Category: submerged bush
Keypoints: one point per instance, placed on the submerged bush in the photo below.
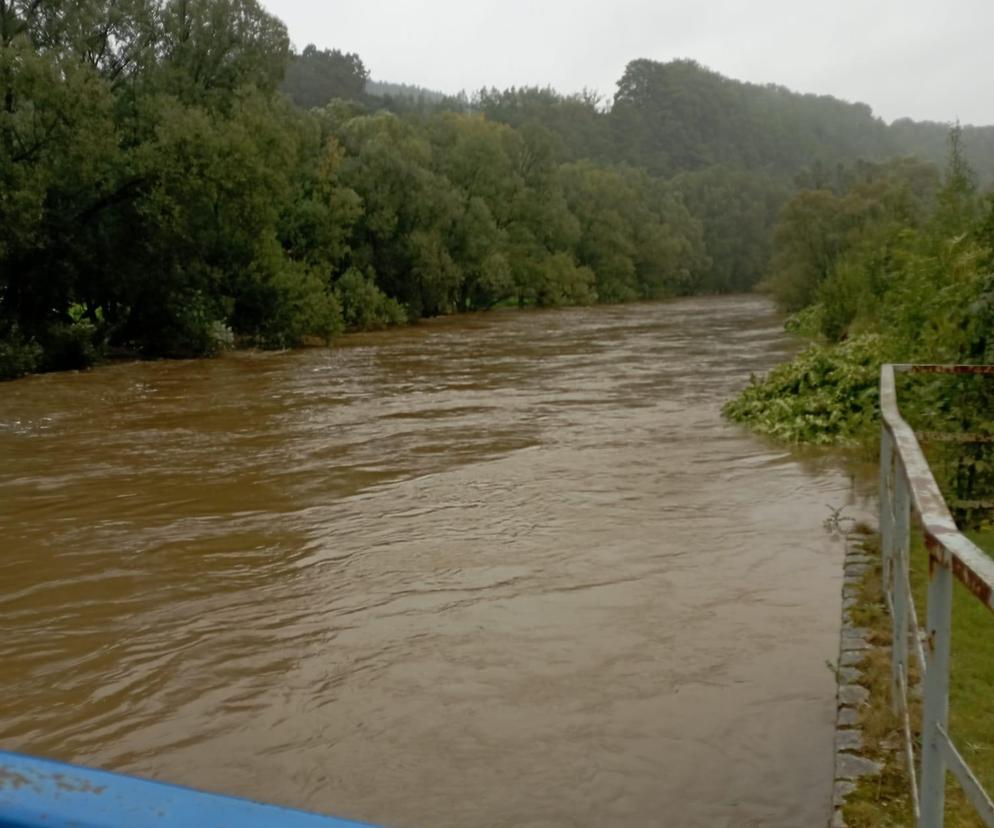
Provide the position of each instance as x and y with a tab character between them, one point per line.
72	346
179	326
301	307
18	356
828	394
280	304
364	306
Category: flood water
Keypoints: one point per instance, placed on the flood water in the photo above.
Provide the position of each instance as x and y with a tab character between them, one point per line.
500	570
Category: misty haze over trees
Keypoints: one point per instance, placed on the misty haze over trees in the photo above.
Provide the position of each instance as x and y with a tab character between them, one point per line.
175	178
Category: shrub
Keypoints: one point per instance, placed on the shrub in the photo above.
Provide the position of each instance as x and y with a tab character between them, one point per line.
301	306
364	306
184	326
18	356
828	394
71	346
806	322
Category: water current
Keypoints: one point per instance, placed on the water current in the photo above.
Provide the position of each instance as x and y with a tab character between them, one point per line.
510	569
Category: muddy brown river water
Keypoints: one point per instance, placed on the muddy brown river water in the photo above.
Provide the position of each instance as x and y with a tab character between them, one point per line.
500	570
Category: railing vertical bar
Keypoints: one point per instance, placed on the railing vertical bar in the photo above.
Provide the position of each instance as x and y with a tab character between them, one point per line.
909	750
973	789
936	701
899	572
886	503
914	630
907	483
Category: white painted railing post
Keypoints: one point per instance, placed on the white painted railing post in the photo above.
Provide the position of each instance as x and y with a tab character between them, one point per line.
886	507
905	480
900	543
936	702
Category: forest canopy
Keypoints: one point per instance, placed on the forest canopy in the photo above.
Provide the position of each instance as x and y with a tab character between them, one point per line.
175	178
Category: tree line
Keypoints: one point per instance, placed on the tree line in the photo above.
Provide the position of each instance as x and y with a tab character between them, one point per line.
174	179
161	195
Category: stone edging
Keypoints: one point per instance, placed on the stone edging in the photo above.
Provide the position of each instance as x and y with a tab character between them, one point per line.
850	766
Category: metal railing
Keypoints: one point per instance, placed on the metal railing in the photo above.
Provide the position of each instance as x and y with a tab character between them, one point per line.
907	487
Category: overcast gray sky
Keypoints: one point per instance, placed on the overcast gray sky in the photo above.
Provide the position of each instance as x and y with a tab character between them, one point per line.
928	60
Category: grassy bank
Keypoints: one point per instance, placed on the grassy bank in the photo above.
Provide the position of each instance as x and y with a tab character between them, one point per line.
971	700
886	800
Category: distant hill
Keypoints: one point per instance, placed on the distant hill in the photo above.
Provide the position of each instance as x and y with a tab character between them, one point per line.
669	118
316	76
929	140
383	89
679	117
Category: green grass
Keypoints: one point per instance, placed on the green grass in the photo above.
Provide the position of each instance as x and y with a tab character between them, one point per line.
971	681
885	800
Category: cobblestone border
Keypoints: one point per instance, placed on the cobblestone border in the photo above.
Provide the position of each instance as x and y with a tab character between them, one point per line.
850	766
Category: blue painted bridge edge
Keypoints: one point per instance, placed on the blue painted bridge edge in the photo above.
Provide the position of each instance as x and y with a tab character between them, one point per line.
41	792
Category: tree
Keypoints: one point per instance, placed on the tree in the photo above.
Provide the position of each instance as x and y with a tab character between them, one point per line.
211	48
317	76
737	211
636	236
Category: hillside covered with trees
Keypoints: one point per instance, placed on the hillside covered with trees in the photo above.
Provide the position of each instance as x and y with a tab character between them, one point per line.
174	178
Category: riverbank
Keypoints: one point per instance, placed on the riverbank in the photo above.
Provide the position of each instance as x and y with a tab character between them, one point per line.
84	355
873	789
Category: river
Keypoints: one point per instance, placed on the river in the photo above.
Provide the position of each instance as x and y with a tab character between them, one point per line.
509	569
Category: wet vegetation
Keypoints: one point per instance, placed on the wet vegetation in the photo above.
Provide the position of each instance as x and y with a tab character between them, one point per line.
176	179
893	264
890	264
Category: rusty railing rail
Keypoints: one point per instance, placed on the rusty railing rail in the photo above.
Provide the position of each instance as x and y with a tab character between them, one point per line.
907	486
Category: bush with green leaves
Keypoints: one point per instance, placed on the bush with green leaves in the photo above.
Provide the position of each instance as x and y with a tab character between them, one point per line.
828	394
285	307
71	346
806	322
364	306
18	356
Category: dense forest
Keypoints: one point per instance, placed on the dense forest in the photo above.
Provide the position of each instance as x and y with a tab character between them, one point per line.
175	179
